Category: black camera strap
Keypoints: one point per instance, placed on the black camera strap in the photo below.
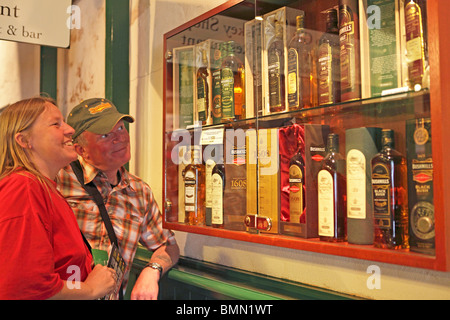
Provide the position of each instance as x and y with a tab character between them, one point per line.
92	190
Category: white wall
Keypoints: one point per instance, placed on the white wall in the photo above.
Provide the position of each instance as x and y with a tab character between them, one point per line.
19	71
81	68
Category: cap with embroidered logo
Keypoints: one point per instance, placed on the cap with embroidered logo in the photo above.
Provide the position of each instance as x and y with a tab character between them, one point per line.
96	115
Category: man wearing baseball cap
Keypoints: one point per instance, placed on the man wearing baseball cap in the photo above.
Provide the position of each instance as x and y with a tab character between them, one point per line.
103	145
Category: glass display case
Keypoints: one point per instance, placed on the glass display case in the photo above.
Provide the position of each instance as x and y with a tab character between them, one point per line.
312	125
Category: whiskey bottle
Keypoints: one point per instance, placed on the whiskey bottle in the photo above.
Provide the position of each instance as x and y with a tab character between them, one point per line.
232	86
275	59
329	72
349	53
332	194
390	198
203	90
301	71
296	187
216	83
209	166
194	188
415	44
218	187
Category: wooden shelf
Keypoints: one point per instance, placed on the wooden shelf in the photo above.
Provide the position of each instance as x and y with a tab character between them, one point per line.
366	252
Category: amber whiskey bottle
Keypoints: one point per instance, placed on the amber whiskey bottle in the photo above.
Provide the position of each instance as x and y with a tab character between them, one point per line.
332	194
349	53
203	90
232	85
296	187
390	198
329	68
302	76
218	188
275	59
194	188
415	44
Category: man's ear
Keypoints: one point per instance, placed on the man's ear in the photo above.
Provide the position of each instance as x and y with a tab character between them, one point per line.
79	149
22	140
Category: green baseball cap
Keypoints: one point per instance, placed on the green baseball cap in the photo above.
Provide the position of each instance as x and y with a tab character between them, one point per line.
96	115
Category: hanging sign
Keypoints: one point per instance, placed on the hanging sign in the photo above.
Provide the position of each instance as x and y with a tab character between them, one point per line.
43	22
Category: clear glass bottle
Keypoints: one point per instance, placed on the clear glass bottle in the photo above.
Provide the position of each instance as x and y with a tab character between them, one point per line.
275	54
232	85
296	187
194	188
390	196
302	74
203	90
329	72
332	194
219	53
415	44
349	53
218	188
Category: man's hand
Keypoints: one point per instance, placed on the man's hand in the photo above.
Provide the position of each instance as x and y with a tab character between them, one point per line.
146	286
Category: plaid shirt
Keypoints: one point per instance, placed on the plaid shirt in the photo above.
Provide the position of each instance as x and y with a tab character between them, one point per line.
133	211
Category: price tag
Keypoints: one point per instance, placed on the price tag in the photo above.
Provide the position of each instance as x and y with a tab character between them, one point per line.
212	136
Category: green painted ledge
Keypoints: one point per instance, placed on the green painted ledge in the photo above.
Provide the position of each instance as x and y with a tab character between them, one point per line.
192	279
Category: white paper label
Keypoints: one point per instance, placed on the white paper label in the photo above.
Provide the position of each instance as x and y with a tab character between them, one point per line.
356	184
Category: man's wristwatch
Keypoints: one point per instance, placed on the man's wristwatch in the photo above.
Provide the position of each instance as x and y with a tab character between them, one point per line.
156	266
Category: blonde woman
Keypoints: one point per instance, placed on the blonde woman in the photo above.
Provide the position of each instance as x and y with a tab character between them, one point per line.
42	252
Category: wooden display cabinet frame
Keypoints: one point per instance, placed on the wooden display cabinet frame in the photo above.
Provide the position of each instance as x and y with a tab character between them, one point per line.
439	97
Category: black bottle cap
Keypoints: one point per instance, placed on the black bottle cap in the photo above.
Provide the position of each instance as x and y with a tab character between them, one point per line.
387	138
333	142
332	15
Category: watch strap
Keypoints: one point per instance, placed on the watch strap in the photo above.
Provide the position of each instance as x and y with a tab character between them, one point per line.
156	266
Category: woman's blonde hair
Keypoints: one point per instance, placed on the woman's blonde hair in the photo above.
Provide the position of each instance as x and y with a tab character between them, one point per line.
15	118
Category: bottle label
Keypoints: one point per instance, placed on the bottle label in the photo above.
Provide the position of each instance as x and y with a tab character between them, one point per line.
414	50
274	64
293	99
356	184
209	165
381	186
217	199
189	191
326	204
348	49
422	174
295	193
216	100
227	87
